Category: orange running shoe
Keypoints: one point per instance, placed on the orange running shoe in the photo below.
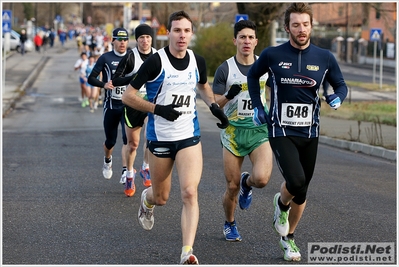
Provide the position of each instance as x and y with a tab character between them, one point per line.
130	188
145	174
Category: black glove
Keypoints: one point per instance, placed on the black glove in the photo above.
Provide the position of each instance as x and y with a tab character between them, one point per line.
218	113
168	112
235	89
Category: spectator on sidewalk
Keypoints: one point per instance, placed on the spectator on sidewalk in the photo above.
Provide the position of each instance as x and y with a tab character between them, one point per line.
22	40
38	40
52	37
63	37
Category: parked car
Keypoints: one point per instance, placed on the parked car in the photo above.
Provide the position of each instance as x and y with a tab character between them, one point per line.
15	43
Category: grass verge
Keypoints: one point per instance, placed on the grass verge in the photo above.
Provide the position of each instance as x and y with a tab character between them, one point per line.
370	111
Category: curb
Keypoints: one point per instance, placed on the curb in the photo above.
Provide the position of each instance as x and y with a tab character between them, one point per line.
360	147
19	92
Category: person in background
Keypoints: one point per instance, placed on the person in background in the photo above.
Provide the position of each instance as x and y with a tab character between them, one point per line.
172	77
241	138
113	107
92	91
296	70
52	37
22	39
63	37
135	119
80	65
38	41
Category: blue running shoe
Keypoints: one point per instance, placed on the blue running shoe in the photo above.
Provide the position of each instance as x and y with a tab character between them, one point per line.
145	174
245	197
230	232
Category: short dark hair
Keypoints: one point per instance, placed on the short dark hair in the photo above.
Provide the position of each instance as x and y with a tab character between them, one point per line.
242	24
178	16
297	8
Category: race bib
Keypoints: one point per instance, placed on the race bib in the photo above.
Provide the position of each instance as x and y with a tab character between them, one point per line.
117	92
244	107
297	115
186	101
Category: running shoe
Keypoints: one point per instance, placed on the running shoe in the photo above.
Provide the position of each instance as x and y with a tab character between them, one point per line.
189	258
130	188
291	251
280	221
145	215
107	169
84	103
231	232
245	197
145	174
123	177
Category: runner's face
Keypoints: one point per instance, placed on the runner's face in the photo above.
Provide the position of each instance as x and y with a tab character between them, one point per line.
180	35
144	43
300	29
246	42
120	46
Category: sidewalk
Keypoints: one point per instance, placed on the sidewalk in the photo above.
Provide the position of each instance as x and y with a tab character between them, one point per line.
21	72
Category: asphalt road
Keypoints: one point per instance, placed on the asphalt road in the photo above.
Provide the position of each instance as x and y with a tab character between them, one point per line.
58	210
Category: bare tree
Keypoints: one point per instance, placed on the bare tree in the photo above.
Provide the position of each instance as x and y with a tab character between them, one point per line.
263	15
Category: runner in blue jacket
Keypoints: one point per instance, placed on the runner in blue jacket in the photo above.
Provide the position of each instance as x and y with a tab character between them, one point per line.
296	71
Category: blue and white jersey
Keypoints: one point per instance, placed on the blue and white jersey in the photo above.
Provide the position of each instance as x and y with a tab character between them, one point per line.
178	87
88	70
295	77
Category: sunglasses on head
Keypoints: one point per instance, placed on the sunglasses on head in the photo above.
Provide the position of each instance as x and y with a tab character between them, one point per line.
120	39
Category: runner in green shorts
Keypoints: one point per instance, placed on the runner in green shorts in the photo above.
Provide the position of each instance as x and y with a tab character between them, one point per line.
241	138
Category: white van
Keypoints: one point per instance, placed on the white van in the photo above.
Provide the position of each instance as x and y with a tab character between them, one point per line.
15	43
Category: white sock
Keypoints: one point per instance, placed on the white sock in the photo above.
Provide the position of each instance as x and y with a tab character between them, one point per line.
145	166
130	174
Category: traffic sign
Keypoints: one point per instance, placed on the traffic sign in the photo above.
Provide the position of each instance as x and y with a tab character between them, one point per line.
6	16
154	23
162	30
6	20
375	34
241	17
6	26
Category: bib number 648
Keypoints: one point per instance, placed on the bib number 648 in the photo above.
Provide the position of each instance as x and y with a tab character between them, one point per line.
296	114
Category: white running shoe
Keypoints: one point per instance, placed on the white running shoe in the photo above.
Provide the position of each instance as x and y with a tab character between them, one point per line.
145	215
123	177
189	258
280	221
107	169
291	251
